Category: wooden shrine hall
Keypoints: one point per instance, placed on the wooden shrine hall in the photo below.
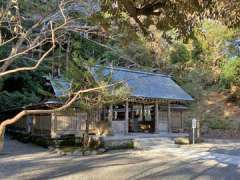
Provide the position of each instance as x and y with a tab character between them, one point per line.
155	104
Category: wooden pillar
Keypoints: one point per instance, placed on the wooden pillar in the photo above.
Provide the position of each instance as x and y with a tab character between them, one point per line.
181	120
198	129
132	118
169	117
126	117
110	115
156	117
143	114
53	124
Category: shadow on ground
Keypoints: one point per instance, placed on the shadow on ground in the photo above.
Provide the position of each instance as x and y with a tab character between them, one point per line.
26	161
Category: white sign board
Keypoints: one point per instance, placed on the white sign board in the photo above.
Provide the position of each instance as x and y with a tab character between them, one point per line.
194	123
194	126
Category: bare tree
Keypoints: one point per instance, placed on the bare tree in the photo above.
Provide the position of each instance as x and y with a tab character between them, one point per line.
47	31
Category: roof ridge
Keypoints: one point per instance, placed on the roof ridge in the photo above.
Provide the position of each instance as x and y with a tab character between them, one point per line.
135	71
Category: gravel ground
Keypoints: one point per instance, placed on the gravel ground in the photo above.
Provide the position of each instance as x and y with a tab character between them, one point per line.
206	161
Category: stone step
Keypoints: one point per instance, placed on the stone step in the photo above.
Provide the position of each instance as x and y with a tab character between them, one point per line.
156	147
162	139
154	143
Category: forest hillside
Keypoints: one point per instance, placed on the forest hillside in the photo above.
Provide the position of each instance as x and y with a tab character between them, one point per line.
205	61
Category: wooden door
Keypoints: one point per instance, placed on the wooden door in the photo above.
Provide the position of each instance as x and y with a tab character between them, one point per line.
163	121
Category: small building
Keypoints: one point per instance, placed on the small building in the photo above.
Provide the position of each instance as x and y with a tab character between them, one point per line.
155	104
71	122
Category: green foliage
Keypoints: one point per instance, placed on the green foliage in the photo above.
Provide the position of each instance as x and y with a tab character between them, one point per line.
217	124
195	81
231	73
21	89
182	16
179	54
110	57
17	99
86	49
123	54
200	63
138	53
85	54
209	41
4	51
36	7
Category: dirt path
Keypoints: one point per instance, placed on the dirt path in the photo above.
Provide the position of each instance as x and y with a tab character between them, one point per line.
26	161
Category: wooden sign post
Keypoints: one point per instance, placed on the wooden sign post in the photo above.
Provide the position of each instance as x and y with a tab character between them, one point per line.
194	126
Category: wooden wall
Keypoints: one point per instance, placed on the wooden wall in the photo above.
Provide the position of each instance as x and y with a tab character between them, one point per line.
163	121
176	120
41	124
73	122
20	125
36	125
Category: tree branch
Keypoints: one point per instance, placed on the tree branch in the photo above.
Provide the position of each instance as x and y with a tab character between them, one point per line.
25	51
37	64
65	106
149	9
9	40
18	45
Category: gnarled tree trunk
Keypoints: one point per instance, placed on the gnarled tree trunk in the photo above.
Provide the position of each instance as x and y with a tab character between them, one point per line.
86	139
2	140
23	113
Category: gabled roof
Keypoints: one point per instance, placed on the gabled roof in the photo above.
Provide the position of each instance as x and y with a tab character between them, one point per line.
145	84
60	86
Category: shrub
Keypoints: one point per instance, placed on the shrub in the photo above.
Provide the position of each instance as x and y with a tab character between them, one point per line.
231	73
180	54
217	124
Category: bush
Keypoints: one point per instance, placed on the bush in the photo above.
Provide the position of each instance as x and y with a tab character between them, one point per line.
180	54
231	73
217	124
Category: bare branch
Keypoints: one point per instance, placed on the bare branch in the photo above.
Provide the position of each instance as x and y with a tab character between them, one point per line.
25	51
61	10
18	45
39	61
65	106
65	7
8	41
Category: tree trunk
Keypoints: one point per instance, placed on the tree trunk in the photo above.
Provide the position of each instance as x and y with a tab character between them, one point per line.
86	133
2	140
43	111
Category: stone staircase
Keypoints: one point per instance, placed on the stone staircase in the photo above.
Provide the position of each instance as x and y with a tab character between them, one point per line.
154	143
142	141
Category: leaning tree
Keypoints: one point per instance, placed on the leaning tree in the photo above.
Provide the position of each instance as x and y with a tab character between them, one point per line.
35	36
